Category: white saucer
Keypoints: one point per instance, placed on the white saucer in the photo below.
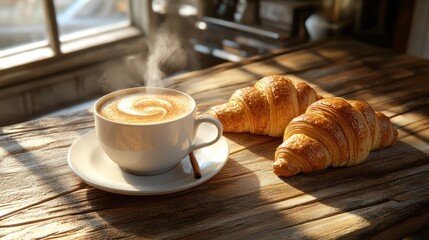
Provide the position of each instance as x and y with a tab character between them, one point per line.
93	166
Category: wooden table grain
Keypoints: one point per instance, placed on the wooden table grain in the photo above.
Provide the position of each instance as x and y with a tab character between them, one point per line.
387	196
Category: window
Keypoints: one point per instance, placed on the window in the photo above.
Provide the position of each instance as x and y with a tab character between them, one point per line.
21	23
83	15
33	32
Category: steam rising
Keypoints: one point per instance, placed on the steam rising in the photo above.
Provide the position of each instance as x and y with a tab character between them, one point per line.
161	53
165	51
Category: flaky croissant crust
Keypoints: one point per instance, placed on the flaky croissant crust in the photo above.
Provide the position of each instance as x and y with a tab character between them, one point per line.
332	132
265	108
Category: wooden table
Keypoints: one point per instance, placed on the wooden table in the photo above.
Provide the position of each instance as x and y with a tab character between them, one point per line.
386	196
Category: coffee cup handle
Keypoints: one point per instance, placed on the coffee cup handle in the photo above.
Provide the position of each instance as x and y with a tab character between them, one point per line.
213	121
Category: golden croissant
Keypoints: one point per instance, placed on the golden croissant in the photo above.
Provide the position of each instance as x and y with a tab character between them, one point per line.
332	132
265	108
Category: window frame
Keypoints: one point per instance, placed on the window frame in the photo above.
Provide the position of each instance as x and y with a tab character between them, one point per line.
55	56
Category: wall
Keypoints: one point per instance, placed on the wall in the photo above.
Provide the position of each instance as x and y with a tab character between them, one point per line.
28	100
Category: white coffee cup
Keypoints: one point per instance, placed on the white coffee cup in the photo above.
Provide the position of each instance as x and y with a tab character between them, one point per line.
150	148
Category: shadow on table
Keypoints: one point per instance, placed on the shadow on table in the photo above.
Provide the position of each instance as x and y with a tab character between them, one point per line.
383	191
380	194
206	211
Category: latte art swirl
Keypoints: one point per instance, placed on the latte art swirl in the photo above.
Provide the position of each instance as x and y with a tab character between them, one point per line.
144	106
141	108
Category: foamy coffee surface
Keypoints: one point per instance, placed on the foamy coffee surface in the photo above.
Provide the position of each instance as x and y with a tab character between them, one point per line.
141	108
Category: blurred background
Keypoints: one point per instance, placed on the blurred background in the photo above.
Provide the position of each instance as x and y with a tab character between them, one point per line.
56	53
239	27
